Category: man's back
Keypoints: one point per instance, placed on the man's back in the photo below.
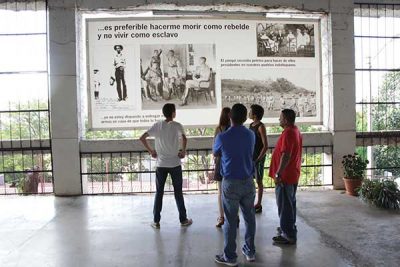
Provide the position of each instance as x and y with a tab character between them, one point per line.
167	136
236	147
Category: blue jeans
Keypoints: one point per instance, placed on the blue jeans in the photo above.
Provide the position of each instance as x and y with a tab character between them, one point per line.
286	202
237	193
161	177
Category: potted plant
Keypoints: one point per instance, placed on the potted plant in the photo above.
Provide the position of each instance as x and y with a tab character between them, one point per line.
383	193
354	170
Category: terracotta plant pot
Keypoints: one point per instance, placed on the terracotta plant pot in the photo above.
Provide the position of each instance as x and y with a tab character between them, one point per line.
351	184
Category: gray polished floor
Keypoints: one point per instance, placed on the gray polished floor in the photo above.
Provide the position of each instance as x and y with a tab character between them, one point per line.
115	231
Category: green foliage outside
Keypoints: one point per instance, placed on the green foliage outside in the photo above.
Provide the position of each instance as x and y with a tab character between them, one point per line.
24	126
381	193
385	117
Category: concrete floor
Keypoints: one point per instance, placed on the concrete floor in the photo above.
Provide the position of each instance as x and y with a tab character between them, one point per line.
365	235
115	231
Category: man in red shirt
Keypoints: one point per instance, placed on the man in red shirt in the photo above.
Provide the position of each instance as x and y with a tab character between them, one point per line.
285	170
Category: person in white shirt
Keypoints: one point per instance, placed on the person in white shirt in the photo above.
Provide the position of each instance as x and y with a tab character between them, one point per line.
307	38
167	134
300	40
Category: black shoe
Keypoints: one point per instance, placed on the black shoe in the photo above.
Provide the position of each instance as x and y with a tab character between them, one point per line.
278	231
187	222
283	241
258	208
155	225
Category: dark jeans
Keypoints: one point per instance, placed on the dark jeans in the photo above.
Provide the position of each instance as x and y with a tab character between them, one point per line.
161	177
237	193
286	201
120	78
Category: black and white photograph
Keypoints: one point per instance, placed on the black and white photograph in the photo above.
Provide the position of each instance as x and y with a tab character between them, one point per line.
183	74
273	90
285	40
111	78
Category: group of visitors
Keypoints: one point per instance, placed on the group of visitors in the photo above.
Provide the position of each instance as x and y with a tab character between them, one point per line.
240	156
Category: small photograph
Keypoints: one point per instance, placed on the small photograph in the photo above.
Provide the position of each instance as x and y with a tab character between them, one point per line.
111	77
118	79
285	40
275	91
183	74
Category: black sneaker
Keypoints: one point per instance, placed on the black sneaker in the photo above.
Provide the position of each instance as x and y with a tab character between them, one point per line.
187	222
283	241
155	225
221	259
258	208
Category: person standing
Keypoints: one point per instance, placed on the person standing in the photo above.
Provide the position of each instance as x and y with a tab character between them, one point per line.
285	170
167	134
223	125
175	73
96	83
260	149
235	147
120	65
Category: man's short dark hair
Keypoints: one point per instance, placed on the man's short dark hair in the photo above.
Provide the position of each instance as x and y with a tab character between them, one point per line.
258	111
289	115
168	109
203	58
238	114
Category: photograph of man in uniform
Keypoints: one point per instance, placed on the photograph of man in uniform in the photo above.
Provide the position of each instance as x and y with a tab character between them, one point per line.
175	74
120	65
202	74
154	80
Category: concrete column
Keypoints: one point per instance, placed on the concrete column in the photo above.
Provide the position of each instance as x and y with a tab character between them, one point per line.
343	80
63	97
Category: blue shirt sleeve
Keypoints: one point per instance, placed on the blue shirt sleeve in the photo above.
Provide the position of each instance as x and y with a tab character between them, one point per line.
217	147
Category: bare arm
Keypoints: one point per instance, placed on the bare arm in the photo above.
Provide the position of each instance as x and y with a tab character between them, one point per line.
285	157
263	134
143	139
182	153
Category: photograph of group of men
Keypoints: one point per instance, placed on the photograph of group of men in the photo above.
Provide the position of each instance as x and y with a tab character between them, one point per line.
303	104
273	90
183	74
285	40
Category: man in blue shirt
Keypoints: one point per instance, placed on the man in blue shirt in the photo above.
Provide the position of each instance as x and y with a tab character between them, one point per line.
235	147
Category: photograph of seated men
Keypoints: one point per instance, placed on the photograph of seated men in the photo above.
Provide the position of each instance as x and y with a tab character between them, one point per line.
201	79
285	40
181	74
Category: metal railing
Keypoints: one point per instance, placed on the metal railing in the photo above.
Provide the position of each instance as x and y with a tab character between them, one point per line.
134	172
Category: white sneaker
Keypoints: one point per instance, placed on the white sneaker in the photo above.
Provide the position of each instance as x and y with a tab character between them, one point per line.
249	258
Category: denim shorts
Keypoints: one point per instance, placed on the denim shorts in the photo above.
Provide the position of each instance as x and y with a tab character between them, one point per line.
259	170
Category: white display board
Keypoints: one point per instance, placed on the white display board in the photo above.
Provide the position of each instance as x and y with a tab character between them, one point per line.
136	65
